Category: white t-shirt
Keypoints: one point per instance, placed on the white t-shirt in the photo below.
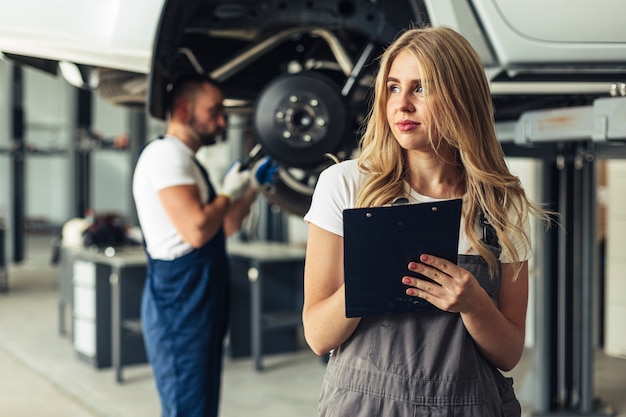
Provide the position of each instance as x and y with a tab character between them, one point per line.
164	163
337	189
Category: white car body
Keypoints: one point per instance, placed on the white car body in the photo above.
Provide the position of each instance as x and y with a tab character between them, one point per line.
114	34
510	35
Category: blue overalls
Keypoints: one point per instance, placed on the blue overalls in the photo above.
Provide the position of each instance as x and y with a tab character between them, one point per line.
185	318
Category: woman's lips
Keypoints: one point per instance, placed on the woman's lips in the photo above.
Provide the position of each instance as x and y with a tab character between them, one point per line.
406	125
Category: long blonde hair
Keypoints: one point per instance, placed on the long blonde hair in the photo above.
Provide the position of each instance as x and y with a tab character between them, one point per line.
457	95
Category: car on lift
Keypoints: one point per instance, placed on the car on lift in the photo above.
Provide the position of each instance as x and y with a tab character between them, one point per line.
302	70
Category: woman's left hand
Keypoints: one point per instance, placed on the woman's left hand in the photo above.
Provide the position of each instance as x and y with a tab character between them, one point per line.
457	286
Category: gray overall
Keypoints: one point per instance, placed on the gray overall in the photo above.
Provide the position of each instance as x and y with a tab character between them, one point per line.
418	364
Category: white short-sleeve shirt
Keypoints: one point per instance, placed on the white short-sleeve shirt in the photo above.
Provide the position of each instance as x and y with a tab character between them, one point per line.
337	189
164	163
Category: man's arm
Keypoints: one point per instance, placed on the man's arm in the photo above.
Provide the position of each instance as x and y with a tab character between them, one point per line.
195	222
263	173
238	211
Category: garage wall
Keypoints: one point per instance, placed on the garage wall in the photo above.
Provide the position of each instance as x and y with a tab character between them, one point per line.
48	101
49	106
615	294
111	169
50	117
527	169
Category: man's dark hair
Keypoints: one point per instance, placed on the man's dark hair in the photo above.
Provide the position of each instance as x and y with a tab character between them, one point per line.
182	83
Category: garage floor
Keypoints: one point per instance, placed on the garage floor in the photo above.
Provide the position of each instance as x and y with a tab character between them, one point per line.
40	374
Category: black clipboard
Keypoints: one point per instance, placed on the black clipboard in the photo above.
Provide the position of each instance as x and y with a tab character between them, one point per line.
379	242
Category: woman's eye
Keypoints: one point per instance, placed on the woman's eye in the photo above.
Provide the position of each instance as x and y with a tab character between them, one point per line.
393	89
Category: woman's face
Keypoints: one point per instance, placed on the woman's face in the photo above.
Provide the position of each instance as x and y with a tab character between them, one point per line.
407	114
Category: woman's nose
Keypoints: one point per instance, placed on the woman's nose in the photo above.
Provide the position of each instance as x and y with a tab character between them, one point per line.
405	104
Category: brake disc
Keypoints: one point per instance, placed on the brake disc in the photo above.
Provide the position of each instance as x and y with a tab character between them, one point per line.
298	118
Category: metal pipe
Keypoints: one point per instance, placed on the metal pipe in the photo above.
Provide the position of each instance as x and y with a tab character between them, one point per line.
18	153
192	59
244	58
589	268
357	70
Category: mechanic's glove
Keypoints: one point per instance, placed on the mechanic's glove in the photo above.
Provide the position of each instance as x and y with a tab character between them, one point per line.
235	182
264	173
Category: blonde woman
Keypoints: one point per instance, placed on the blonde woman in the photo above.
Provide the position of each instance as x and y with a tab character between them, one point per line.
430	136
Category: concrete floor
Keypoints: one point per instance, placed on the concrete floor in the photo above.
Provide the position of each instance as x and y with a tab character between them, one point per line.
40	374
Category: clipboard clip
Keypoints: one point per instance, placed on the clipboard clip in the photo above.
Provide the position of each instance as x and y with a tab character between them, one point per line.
400	201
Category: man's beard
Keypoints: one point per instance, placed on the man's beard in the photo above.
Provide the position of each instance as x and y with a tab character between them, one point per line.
206	139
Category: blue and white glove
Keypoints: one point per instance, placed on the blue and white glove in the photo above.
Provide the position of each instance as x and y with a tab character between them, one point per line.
235	182
264	173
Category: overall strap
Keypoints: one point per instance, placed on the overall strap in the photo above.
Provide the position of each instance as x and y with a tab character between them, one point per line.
146	144
203	171
205	175
490	236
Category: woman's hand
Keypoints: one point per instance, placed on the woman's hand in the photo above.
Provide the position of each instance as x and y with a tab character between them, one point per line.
452	289
497	329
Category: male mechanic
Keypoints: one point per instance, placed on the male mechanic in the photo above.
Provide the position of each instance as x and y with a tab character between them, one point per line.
185	223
